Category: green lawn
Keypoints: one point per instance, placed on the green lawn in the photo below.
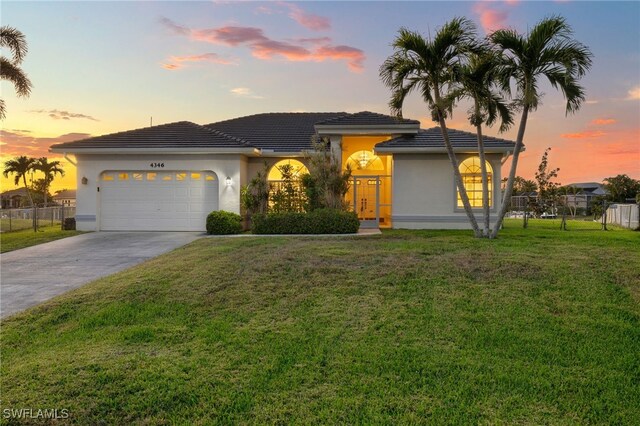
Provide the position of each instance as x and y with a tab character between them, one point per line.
25	238
538	327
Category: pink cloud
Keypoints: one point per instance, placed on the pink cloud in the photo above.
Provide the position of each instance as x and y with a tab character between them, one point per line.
265	48
171	67
587	134
20	143
230	36
307	20
603	121
490	17
205	57
354	57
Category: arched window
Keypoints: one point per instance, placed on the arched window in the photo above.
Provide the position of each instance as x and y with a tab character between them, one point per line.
365	160
297	169
472	180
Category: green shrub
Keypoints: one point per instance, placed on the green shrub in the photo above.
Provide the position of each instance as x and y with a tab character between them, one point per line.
69	224
223	223
321	221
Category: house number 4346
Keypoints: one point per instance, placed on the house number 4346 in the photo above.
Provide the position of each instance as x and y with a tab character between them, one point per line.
156	165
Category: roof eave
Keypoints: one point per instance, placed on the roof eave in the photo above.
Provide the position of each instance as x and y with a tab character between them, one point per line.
437	150
128	151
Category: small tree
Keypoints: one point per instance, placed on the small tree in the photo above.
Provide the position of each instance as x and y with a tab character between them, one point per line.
288	195
20	167
547	189
621	188
326	184
255	195
49	169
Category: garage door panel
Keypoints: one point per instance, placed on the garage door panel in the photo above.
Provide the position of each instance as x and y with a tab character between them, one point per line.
170	201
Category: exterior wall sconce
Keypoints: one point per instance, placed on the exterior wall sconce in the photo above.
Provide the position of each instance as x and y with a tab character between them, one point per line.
84	180
228	181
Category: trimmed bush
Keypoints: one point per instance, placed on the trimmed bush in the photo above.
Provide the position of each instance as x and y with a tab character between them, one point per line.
69	224
321	221
223	223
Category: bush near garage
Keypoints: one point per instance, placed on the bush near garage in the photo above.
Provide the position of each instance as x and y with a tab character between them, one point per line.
223	223
69	224
320	221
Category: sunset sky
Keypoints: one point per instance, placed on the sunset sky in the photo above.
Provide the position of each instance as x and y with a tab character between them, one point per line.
102	67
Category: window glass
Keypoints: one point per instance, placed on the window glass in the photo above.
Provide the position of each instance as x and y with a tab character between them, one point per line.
136	176
151	176
123	176
167	177
195	176
472	181
107	176
210	177
181	176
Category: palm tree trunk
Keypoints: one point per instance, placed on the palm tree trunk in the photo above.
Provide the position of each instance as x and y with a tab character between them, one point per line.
506	198
46	190
485	180
24	179
456	171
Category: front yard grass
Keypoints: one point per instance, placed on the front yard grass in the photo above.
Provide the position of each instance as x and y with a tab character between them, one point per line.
538	327
15	240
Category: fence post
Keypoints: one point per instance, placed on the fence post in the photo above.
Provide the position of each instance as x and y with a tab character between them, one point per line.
62	217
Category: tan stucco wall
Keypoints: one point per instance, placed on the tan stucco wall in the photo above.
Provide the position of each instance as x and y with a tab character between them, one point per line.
424	192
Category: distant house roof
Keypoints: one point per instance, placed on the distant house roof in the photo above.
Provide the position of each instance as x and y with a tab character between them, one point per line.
179	135
431	140
66	194
19	192
590	188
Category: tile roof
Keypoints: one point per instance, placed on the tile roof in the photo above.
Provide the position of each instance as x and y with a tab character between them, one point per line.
366	118
277	131
182	134
67	193
432	138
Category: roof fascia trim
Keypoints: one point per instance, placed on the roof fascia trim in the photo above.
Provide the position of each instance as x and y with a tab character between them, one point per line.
192	150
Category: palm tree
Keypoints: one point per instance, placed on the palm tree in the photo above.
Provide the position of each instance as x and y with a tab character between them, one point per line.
20	166
10	70
548	51
427	65
49	169
478	81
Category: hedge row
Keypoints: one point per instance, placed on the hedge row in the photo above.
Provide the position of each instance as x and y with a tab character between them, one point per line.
321	221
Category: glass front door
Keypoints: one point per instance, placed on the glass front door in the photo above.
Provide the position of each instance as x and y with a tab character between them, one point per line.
366	195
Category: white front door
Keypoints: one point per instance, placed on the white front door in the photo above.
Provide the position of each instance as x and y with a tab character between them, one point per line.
157	201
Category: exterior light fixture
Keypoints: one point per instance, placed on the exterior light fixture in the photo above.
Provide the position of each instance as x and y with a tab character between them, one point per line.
228	181
364	160
85	180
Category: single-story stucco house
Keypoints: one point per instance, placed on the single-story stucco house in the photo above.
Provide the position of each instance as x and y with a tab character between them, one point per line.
170	176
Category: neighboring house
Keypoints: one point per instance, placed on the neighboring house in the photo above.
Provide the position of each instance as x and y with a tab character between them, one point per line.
65	198
169	177
14	199
587	191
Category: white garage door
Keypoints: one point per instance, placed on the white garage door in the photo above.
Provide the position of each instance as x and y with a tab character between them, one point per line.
157	201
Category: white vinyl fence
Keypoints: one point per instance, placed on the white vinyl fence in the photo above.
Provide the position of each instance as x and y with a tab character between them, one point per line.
16	219
625	215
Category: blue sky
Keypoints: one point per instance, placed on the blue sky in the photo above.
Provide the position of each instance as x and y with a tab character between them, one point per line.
100	67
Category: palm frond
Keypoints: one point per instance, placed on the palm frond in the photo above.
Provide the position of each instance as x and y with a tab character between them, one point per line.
15	41
12	73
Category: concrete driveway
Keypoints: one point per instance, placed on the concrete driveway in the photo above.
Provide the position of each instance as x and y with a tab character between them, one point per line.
32	275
